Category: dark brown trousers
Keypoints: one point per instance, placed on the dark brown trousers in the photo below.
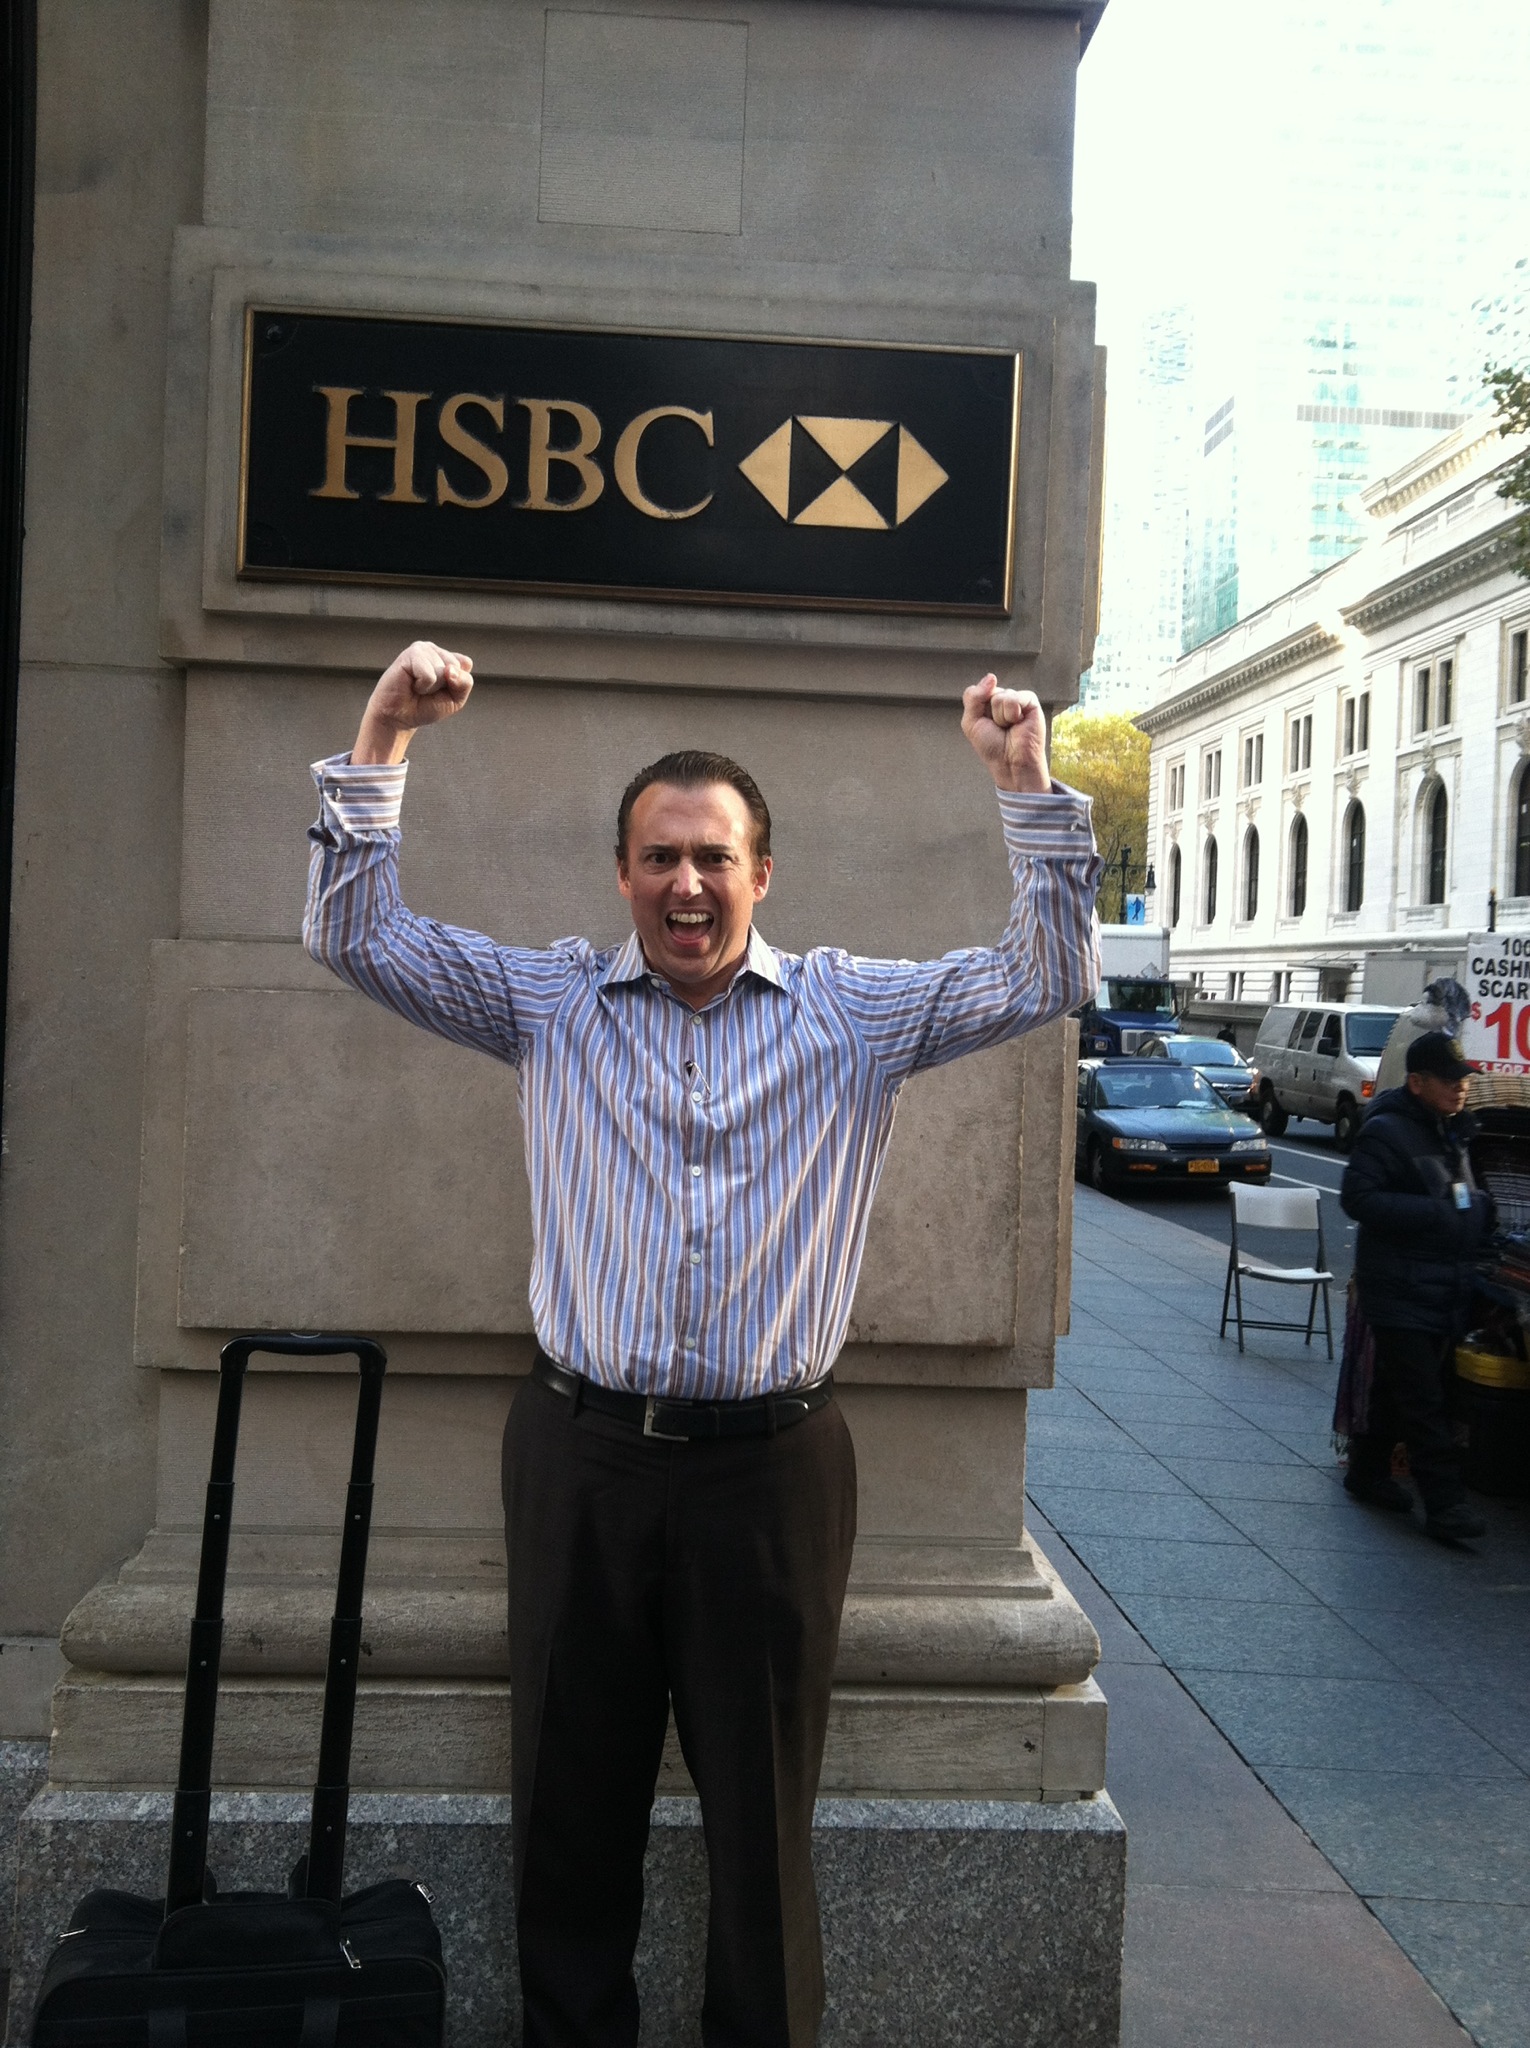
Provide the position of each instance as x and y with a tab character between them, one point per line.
644	1572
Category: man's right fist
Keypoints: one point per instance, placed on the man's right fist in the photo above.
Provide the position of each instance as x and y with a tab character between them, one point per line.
424	685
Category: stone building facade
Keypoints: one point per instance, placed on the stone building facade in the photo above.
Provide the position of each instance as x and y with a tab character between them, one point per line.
1339	783
182	1082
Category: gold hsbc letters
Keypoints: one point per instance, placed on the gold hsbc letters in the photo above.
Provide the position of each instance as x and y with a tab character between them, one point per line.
548	417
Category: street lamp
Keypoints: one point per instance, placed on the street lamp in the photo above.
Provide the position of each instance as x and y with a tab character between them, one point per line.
1128	866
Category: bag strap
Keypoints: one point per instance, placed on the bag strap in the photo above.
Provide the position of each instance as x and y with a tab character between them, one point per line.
193	1797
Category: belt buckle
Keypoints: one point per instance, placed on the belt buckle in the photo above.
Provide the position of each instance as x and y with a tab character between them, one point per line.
667	1436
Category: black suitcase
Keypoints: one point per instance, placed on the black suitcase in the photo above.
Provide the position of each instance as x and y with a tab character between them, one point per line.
301	1969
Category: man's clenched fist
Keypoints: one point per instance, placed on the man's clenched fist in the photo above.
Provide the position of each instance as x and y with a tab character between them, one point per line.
424	685
1008	731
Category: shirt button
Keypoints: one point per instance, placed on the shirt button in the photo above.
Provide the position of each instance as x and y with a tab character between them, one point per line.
690	1343
695	1173
695	1258
697	1096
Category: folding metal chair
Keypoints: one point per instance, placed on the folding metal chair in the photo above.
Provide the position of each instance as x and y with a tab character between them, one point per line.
1276	1209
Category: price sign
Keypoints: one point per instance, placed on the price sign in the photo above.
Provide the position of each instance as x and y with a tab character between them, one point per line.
1496	1034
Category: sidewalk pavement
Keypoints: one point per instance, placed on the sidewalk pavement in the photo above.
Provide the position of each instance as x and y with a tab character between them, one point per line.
1264	1635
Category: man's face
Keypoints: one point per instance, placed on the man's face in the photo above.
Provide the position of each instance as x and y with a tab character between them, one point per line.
1445	1098
690	874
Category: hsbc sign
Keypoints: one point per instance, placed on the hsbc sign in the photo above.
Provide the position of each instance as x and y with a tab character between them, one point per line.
689	467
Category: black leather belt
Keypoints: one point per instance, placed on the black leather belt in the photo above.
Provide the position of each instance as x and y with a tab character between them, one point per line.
685	1421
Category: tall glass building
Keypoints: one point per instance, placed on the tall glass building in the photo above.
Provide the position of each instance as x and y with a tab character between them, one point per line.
1355	207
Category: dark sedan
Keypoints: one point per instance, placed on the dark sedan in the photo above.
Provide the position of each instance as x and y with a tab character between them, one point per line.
1146	1120
1220	1063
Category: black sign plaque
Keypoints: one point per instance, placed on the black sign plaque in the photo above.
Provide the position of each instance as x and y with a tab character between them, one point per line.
624	464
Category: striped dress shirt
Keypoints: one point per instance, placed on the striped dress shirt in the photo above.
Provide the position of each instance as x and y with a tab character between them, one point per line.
701	1181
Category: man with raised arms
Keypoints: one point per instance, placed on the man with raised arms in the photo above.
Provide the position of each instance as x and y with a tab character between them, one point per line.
705	1122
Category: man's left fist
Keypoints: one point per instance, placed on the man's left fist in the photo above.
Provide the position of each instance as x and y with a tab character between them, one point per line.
1008	730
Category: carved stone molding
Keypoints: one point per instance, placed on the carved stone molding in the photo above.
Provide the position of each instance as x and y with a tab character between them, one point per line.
1306	645
1472	562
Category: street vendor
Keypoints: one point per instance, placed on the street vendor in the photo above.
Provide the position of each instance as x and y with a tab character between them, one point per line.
1422	1218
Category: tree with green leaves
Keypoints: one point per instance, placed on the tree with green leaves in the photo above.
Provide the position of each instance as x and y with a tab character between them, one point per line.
1106	757
1511	402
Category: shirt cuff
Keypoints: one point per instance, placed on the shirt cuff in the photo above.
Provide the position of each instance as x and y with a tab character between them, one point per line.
361	801
1054	821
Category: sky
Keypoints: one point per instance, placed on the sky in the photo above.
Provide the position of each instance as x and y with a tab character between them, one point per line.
1222	143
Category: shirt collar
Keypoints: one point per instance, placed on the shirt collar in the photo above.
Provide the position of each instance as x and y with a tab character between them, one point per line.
627	963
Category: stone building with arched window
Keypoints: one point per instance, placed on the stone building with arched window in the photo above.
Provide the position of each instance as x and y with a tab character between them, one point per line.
1356	755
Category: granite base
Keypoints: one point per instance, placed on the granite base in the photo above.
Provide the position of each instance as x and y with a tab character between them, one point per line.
23	1773
989	1924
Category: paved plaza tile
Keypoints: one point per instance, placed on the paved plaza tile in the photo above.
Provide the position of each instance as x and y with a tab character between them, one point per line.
1240	1933
1371	1687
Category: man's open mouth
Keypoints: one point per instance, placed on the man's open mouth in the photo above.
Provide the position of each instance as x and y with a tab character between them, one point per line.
689	924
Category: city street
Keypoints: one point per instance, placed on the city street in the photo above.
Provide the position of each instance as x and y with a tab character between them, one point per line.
1305	1157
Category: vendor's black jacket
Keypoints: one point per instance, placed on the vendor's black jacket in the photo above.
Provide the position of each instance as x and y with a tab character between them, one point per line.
1413	1262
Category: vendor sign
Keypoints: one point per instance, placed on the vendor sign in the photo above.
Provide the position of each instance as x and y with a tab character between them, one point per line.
1496	1034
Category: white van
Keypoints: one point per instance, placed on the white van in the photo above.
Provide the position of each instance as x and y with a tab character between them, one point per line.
1320	1060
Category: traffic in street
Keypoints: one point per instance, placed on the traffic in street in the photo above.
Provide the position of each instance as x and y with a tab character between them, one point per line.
1305	1156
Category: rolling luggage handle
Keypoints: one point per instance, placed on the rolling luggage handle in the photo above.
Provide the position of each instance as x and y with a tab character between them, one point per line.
325	1859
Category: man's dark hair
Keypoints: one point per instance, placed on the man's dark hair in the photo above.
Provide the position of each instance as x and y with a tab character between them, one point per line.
692	768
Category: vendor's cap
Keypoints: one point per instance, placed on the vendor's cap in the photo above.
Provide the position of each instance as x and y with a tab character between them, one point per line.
1439	1052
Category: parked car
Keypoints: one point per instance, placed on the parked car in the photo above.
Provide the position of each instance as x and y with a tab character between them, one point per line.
1214	1060
1147	1120
1320	1061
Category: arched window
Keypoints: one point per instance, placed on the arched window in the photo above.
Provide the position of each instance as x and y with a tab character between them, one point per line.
1439	823
1522	833
1211	882
1354	857
1251	873
1173	886
1298	897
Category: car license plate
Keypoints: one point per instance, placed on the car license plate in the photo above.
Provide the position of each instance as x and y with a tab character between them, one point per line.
1205	1166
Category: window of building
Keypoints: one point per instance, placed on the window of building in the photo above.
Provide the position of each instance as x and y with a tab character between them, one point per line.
1280	985
1253	759
1174	787
1251	873
1522	832
1445	692
1354	857
1174	876
1356	725
1519	665
1211	775
1421	695
1209	897
1298	896
1301	742
1438	817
